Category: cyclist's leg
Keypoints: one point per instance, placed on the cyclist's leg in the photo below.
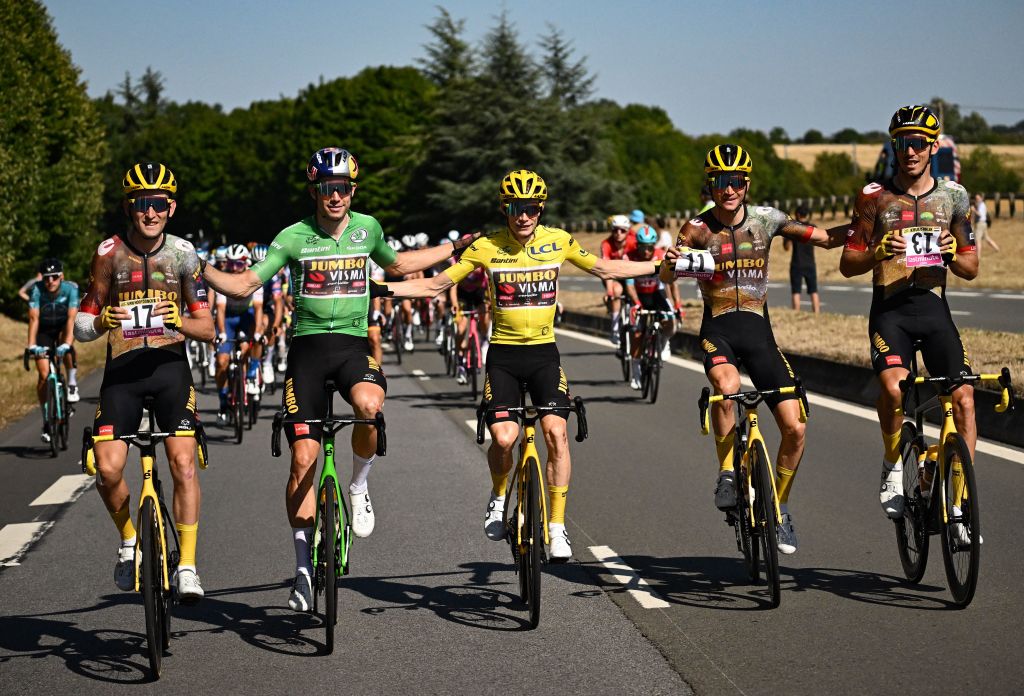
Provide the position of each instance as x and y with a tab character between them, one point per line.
892	349
944	355
501	388
722	370
118	412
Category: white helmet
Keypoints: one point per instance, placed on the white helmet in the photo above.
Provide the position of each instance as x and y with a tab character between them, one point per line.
409	241
236	252
619	221
453	235
422	239
221	253
394	244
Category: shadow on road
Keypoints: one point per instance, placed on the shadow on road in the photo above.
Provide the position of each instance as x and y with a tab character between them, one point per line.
26	452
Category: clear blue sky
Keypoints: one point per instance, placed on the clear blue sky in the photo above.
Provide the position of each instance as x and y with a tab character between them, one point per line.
712	66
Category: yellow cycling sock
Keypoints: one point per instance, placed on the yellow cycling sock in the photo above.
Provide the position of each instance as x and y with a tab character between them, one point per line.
724	446
783	482
187	537
499	482
557	495
891	442
123	521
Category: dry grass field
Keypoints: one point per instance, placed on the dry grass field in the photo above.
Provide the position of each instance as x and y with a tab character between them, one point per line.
866	155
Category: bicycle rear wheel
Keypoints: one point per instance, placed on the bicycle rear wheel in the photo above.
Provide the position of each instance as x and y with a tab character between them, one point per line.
153	596
655	366
765	521
397	335
961	534
238	409
625	347
51	416
64	422
534	533
329	515
912	528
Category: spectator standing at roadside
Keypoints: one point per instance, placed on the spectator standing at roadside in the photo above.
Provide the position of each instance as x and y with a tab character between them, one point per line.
802	267
981	221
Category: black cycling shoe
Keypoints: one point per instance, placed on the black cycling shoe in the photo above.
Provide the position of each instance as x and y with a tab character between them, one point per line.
725	491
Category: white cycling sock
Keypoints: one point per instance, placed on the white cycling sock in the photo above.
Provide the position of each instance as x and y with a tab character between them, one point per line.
301	537
73	376
360	470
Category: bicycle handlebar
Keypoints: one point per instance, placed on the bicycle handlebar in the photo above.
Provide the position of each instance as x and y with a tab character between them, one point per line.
523	412
748	400
377	421
27	354
948	384
88	461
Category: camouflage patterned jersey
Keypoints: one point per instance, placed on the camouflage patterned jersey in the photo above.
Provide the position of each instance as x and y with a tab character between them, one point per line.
883	207
740	282
123	276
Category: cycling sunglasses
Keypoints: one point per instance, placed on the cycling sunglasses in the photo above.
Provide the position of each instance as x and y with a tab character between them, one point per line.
51	276
917	143
726	180
517	208
326	189
160	204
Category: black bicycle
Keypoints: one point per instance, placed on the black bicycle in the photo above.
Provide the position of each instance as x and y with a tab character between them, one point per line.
57	410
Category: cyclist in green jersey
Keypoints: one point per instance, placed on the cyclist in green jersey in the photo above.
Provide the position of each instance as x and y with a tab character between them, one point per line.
328	256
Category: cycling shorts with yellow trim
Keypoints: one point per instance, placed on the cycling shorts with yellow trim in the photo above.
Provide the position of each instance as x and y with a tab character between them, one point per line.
538	366
312	360
916	315
155	372
745	339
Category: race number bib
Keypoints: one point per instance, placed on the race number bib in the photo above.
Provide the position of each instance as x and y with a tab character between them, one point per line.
922	246
142	322
695	263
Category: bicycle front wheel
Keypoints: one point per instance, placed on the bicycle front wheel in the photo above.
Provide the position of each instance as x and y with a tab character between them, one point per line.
961	533
397	336
471	367
654	367
765	521
534	537
64	422
625	347
52	422
238	410
153	596
329	514
912	528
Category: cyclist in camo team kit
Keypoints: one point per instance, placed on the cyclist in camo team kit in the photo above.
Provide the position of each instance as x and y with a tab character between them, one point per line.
135	276
735	329
909	304
328	254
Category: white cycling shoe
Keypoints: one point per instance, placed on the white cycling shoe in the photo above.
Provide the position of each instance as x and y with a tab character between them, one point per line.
494	518
362	514
301	597
190	590
560	549
73	396
890	492
124	569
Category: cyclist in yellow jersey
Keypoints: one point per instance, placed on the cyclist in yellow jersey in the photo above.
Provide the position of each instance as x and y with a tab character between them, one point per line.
522	264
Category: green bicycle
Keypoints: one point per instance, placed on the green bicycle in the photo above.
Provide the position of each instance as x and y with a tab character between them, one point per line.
332	531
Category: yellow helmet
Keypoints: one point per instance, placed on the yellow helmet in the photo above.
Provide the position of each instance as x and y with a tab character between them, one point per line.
522	184
149	176
914	119
727	158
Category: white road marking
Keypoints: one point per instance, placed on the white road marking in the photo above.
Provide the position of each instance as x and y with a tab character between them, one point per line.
66	489
471	422
991	448
839	288
15	540
421	374
961	293
626	576
960	312
1004	296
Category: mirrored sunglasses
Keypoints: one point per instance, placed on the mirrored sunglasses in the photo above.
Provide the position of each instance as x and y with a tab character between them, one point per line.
726	180
160	204
917	143
517	208
328	188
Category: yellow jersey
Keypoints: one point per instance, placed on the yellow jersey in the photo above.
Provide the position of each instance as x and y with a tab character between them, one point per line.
523	280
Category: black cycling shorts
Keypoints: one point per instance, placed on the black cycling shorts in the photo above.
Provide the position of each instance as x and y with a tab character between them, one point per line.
538	366
469	301
143	372
916	315
745	339
49	338
808	274
654	301
314	359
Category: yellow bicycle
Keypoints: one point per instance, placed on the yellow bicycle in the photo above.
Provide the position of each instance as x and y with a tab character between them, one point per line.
756	517
156	546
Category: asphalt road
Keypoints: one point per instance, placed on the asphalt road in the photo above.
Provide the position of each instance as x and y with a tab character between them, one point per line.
430	604
994	310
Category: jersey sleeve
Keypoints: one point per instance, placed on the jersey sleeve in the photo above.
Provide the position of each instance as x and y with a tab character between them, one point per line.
97	294
382	254
277	257
193	289
472	258
577	255
34	296
860	236
73	296
776	222
960	220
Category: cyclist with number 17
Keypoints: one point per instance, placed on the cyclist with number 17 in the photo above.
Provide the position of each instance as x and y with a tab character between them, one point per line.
139	282
735	328
328	254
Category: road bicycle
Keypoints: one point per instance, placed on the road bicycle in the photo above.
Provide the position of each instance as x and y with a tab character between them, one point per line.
946	504
526	522
243	408
57	410
471	358
652	343
198	353
157	549
447	346
332	530
395	331
625	350
756	516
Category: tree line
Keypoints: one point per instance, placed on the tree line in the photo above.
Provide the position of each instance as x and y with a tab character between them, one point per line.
432	141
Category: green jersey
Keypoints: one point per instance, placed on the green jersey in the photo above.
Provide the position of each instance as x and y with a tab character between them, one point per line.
329	279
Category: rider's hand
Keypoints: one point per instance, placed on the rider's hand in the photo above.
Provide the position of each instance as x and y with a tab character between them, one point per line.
673	253
257	337
220	338
461	243
63	349
36	350
170	312
110	317
892	243
947	247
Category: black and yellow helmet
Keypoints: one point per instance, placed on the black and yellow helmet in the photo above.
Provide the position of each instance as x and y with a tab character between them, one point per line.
914	119
522	184
727	158
149	176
